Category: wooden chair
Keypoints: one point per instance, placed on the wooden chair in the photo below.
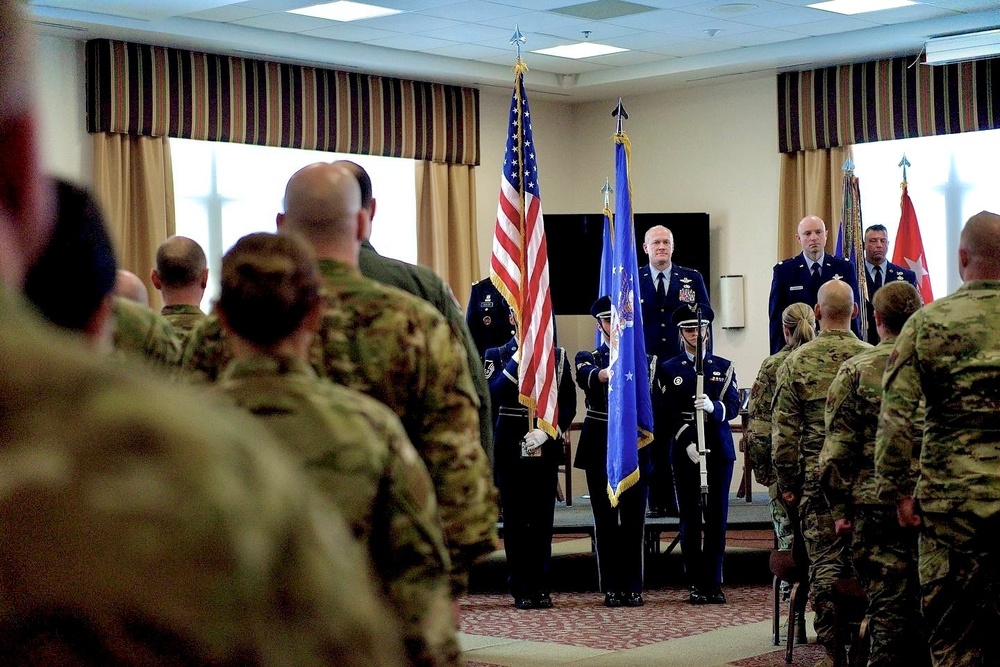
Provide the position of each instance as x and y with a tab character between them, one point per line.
786	568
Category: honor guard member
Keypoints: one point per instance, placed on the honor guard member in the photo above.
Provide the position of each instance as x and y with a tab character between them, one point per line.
663	287
799	278
486	316
527	463
678	406
880	271
618	531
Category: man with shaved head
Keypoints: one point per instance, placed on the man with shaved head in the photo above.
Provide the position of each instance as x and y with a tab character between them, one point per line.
948	356
798	279
181	275
797	436
392	346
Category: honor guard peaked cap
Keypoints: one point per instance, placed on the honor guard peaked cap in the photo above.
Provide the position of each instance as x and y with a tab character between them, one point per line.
601	309
686	317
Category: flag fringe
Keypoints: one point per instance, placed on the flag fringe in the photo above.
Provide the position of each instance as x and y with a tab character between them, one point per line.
627	483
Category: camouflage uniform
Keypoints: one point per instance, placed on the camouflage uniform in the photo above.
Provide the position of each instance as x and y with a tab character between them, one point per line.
422	282
398	349
949	353
358	454
883	553
143	525
797	438
183	317
759	442
146	334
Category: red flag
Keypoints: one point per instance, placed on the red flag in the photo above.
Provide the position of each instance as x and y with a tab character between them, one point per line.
909	251
519	266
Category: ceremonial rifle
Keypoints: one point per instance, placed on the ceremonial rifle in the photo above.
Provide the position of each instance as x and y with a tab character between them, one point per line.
699	413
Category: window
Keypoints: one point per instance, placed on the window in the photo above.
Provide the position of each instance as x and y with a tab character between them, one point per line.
951	178
224	191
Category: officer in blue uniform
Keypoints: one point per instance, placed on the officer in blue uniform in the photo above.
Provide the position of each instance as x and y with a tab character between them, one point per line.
486	316
618	531
880	271
527	462
677	407
798	279
663	286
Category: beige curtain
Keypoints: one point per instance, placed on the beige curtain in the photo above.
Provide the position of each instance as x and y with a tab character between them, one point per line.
446	223
133	181
811	184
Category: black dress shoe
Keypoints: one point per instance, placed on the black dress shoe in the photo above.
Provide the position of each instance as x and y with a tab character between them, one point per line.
697	597
612	600
543	601
524	603
716	596
632	600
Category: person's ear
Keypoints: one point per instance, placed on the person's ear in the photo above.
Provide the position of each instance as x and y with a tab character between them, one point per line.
154	276
204	278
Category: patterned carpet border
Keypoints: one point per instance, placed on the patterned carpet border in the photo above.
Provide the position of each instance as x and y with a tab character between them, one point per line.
581	619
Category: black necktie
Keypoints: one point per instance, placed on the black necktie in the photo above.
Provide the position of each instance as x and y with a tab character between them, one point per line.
817	277
878	277
661	290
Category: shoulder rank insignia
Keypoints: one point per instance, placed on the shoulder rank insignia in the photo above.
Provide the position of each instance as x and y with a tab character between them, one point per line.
488	369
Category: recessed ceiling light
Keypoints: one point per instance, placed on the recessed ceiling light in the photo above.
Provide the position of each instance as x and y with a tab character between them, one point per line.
344	10
580	50
859	6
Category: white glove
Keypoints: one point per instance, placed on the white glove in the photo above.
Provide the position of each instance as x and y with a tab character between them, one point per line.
692	452
534	439
703	403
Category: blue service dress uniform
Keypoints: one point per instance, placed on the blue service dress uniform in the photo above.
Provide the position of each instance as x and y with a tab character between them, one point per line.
673	400
892	273
488	317
791	282
663	341
527	484
618	531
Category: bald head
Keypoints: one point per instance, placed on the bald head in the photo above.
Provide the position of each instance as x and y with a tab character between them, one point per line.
835	305
323	205
130	286
979	248
811	235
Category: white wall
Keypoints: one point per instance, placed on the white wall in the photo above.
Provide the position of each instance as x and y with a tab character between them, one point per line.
66	146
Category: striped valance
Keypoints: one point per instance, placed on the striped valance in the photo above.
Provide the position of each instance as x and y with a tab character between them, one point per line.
885	99
155	91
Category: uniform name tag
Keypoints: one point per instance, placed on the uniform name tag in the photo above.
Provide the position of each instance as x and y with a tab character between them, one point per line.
794	288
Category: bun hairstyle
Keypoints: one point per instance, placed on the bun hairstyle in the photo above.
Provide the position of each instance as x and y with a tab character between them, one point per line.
270	282
801	321
895	302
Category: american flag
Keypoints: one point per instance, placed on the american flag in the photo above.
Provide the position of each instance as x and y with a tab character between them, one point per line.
519	266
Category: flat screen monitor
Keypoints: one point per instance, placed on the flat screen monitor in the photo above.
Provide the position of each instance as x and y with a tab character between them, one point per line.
575	241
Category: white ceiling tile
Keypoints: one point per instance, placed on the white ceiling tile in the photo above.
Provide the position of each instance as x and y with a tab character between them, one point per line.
408	22
226	14
557	65
641	41
409	42
284	22
832	26
277	5
471	10
600	31
692	47
765	36
658	20
473	33
628	58
144	10
348	32
782	18
717	9
479	52
530	22
907	14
